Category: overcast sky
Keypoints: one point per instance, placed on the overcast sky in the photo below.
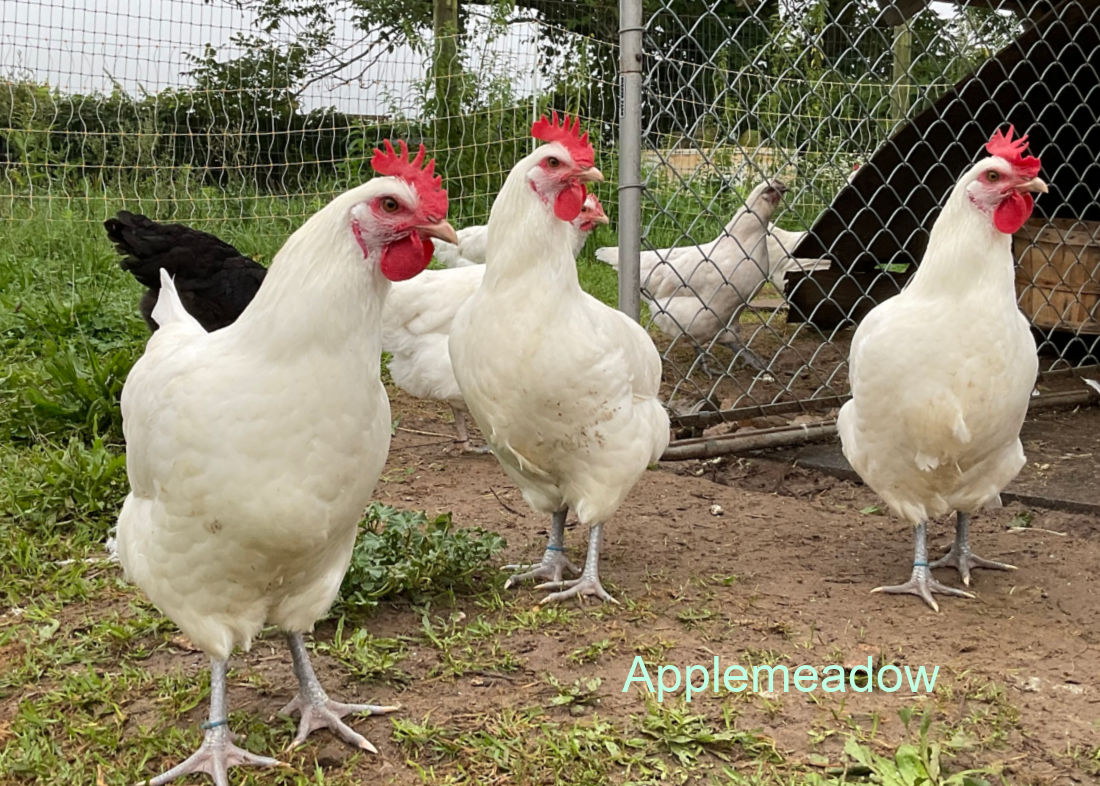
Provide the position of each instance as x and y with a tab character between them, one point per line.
80	45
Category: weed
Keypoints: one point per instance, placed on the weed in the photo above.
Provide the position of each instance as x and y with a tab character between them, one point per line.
688	736
403	552
920	762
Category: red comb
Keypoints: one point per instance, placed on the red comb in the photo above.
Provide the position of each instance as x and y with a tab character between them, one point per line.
568	134
429	185
1012	151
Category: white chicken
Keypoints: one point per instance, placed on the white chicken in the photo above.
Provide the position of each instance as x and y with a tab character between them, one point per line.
563	387
472	241
942	373
253	450
700	291
416	325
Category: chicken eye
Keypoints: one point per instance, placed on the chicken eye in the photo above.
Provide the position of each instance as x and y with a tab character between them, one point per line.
389	204
992	175
553	162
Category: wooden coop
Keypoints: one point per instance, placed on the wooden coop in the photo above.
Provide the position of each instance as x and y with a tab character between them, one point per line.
1046	83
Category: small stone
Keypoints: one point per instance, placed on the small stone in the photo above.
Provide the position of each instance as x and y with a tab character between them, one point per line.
716	510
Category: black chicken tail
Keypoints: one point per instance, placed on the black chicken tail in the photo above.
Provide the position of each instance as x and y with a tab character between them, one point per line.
147	246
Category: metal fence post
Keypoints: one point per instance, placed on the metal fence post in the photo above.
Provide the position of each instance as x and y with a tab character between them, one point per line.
630	155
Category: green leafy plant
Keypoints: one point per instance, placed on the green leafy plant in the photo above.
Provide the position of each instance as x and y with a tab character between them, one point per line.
401	551
80	392
918	763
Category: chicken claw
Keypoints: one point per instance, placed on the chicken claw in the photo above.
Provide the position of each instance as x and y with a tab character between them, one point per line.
463	441
575	588
588	583
214	757
960	557
318	711
922	584
554	561
217	753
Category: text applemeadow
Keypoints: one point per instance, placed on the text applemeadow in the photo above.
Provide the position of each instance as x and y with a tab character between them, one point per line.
699	678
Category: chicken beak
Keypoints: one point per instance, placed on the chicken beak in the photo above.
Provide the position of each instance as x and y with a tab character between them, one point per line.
441	230
1034	185
590	175
601	219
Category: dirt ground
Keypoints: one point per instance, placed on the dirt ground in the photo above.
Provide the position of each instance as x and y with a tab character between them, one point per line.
755	560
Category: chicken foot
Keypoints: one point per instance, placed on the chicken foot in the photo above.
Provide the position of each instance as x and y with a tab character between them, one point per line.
554	561
463	440
316	708
750	358
589	582
960	557
217	753
921	583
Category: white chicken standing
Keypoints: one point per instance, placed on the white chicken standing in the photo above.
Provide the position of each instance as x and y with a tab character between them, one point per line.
416	325
253	450
700	291
563	387
942	373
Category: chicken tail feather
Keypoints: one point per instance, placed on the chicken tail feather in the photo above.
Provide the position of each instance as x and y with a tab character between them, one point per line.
609	255
169	308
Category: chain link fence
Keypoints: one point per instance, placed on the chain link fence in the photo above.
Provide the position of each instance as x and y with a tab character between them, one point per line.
867	112
859	114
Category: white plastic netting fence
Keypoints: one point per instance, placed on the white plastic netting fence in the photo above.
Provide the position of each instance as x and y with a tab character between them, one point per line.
207	111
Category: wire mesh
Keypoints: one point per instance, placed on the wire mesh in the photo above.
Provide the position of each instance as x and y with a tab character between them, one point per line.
867	113
209	112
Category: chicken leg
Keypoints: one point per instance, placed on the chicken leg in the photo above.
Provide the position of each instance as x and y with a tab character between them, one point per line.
734	344
921	583
960	556
317	709
554	561
217	753
589	582
463	440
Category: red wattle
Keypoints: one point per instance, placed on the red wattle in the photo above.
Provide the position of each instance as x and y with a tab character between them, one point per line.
405	258
570	201
1013	211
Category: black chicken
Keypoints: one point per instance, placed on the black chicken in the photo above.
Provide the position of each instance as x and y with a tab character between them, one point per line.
215	281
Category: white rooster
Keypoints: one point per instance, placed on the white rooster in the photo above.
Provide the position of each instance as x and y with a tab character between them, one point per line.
563	387
700	291
472	241
942	373
416	325
253	450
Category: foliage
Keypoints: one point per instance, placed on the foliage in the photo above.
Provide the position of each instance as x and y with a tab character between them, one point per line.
406	552
921	762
